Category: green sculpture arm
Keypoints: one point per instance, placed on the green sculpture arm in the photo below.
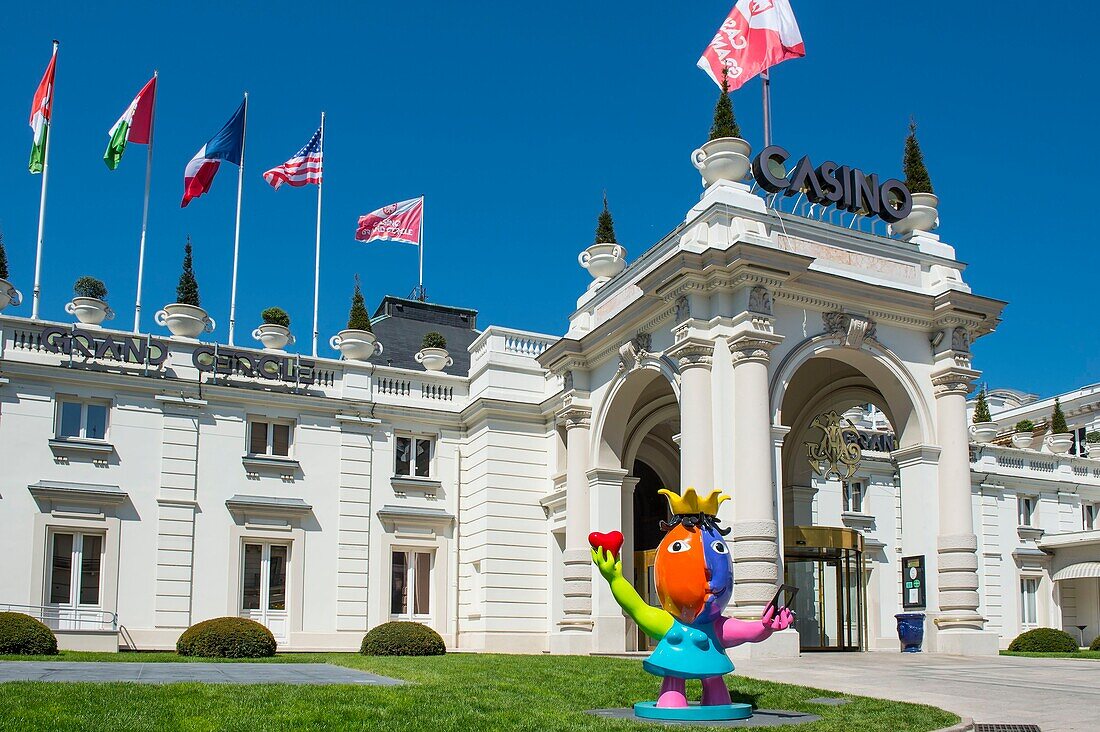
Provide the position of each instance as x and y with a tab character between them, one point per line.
653	621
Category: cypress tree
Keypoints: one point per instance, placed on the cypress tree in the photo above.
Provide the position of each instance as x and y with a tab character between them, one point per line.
358	319
725	124
981	409
187	291
605	226
3	259
916	175
1058	424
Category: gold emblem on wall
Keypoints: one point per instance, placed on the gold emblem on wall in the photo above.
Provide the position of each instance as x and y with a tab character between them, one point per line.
837	452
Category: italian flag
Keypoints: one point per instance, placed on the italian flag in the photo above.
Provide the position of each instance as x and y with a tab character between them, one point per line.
135	125
41	113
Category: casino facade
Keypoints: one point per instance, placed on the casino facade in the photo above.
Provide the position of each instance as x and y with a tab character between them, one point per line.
809	360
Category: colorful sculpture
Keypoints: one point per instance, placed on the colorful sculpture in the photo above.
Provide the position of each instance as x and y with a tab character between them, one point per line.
694	579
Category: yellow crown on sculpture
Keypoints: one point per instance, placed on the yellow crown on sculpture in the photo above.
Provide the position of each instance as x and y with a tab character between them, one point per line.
690	503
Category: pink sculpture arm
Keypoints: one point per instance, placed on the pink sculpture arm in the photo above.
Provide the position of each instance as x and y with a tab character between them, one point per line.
733	632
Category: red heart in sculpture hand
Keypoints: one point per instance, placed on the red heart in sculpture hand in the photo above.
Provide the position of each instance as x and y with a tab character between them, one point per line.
612	542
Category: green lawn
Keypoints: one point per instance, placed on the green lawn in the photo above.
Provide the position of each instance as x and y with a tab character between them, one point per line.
464	692
1086	655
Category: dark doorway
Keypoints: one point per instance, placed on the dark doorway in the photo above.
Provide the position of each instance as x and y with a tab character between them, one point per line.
650	508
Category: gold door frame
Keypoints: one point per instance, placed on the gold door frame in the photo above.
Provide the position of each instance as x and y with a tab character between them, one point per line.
841	548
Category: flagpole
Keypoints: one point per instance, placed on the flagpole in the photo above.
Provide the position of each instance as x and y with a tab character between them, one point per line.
36	300
766	86
317	261
423	297
237	226
145	207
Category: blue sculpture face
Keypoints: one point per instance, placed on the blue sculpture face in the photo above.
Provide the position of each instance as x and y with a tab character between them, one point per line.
719	574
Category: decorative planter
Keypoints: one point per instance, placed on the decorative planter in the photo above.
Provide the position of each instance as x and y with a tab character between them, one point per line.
925	215
9	295
434	359
1061	443
1093	450
185	321
274	337
1023	440
603	260
89	310
983	431
726	158
356	345
910	631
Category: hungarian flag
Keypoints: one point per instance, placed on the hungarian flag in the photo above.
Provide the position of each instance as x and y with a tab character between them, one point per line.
395	222
41	114
135	125
227	145
757	34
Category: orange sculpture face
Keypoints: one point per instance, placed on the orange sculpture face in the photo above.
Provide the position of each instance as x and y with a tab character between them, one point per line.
693	574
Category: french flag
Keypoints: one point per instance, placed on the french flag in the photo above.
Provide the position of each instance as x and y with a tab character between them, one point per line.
227	145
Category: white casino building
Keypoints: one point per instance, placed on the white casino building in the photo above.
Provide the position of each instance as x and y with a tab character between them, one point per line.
149	482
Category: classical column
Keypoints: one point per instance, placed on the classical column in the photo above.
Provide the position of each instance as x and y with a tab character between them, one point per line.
957	545
695	356
577	573
755	530
606	488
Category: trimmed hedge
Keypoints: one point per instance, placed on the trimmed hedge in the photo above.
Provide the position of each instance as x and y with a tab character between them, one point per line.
25	636
402	638
1095	645
1044	640
227	638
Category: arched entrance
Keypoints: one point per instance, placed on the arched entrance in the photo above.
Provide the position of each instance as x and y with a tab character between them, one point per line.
847	412
637	432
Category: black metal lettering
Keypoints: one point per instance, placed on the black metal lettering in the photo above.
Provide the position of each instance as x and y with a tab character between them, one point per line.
767	169
831	188
897	201
804	179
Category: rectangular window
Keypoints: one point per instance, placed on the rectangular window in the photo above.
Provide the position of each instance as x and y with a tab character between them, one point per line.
269	438
853	496
412	457
411	583
1088	516
82	420
75	568
1029	591
276	577
253	558
1025	506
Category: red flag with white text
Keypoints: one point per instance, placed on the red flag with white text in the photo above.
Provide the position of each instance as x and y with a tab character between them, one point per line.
396	222
757	34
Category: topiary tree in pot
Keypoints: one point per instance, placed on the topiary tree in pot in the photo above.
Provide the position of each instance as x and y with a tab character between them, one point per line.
725	155
1060	439
357	341
1023	438
185	318
925	213
1092	443
606	257
275	333
433	354
8	294
984	429
89	303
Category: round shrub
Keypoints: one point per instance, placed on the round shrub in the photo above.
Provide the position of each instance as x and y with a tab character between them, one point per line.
1095	645
1044	640
227	638
23	635
402	638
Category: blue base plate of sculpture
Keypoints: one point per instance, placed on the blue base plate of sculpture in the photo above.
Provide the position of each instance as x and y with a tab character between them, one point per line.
694	712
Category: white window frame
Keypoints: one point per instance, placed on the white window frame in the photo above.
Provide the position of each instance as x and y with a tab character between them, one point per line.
265	614
414	438
1029	602
270	426
846	495
410	584
1090	513
1025	510
62	400
73	613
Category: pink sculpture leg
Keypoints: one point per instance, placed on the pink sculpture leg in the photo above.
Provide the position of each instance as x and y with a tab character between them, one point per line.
715	691
672	693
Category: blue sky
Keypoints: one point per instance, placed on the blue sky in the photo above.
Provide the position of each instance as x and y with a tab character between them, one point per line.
512	118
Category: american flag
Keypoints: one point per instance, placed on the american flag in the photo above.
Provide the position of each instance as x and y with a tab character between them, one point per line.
303	168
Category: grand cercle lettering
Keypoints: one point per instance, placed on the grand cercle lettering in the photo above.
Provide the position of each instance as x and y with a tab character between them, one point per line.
849	189
132	350
229	362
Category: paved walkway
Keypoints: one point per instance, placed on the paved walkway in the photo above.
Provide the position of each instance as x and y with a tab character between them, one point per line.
1057	695
172	673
